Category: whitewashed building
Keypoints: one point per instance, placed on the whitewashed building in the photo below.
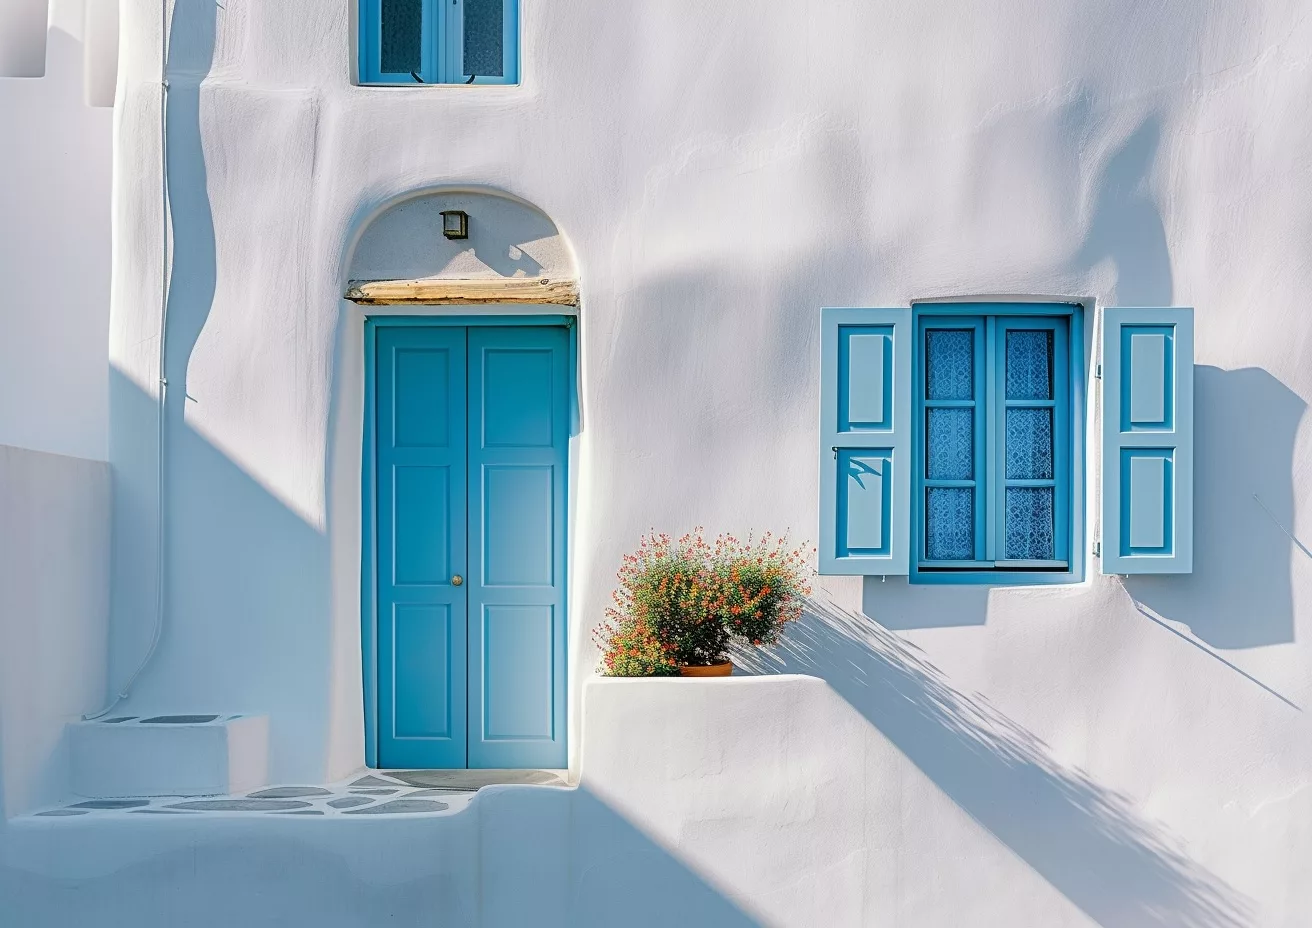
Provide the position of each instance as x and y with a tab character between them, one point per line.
349	344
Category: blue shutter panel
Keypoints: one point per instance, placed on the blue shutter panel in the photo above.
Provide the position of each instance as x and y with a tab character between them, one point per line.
865	441
1147	441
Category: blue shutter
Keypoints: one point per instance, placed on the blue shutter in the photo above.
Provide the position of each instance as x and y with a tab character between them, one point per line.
1147	441
865	441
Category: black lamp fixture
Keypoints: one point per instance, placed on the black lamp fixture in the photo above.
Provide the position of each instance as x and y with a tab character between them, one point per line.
455	223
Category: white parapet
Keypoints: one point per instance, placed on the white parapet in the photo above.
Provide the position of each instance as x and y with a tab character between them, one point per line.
169	755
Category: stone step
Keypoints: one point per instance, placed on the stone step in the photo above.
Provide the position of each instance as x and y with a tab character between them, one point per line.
169	755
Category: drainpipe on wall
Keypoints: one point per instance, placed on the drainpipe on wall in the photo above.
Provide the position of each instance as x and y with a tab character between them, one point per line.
160	416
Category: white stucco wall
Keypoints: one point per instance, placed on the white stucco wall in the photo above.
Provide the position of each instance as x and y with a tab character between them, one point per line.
721	171
54	616
769	800
54	234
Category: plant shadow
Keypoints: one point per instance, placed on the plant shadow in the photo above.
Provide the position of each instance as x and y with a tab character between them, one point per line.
1087	841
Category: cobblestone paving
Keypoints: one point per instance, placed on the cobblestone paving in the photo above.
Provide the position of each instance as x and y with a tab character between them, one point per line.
371	794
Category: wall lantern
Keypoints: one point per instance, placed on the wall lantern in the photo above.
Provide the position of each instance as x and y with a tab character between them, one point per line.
455	223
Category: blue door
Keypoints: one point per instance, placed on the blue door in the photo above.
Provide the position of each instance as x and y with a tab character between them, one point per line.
421	425
471	431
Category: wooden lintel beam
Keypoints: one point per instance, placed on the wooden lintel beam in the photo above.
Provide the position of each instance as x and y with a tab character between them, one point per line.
430	291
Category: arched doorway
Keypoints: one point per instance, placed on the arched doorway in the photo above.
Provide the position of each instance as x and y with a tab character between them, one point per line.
469	384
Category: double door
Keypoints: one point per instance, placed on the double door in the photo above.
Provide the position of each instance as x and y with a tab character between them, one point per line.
470	433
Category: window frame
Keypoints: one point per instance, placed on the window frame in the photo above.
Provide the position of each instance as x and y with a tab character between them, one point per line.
441	47
1068	439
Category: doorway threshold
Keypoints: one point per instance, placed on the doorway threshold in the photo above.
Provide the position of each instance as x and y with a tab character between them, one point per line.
473	780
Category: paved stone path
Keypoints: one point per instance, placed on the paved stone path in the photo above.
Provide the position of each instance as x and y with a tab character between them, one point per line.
401	793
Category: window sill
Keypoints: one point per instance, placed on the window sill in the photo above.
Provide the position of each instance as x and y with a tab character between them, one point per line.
418	85
999	578
998	566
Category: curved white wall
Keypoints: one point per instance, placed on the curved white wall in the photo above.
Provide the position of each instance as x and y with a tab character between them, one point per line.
722	171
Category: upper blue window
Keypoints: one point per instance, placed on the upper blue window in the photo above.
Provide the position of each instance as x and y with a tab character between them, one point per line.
993	469
439	42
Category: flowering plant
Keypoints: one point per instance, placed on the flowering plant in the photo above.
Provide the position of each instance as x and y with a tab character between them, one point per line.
763	584
630	649
681	602
670	588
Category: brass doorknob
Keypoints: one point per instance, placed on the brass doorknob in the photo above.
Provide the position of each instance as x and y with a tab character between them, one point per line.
457	580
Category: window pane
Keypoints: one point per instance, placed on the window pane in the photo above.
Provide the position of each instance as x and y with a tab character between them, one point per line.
950	364
950	524
401	31
483	37
1029	443
950	444
1029	364
1029	523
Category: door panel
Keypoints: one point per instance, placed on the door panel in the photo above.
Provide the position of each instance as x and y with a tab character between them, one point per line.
421	500
518	453
517	397
518	676
421	496
421	640
518	529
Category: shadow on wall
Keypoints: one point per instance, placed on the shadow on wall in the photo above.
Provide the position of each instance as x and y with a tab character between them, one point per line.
191	290
1126	225
194	271
903	606
507	238
619	876
1246	422
132	444
1240	593
1085	840
247	578
248	599
553	858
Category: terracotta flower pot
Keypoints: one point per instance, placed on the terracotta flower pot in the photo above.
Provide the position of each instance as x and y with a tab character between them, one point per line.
707	670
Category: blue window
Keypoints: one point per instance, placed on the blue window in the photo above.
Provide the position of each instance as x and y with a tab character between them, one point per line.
993	474
439	42
951	442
